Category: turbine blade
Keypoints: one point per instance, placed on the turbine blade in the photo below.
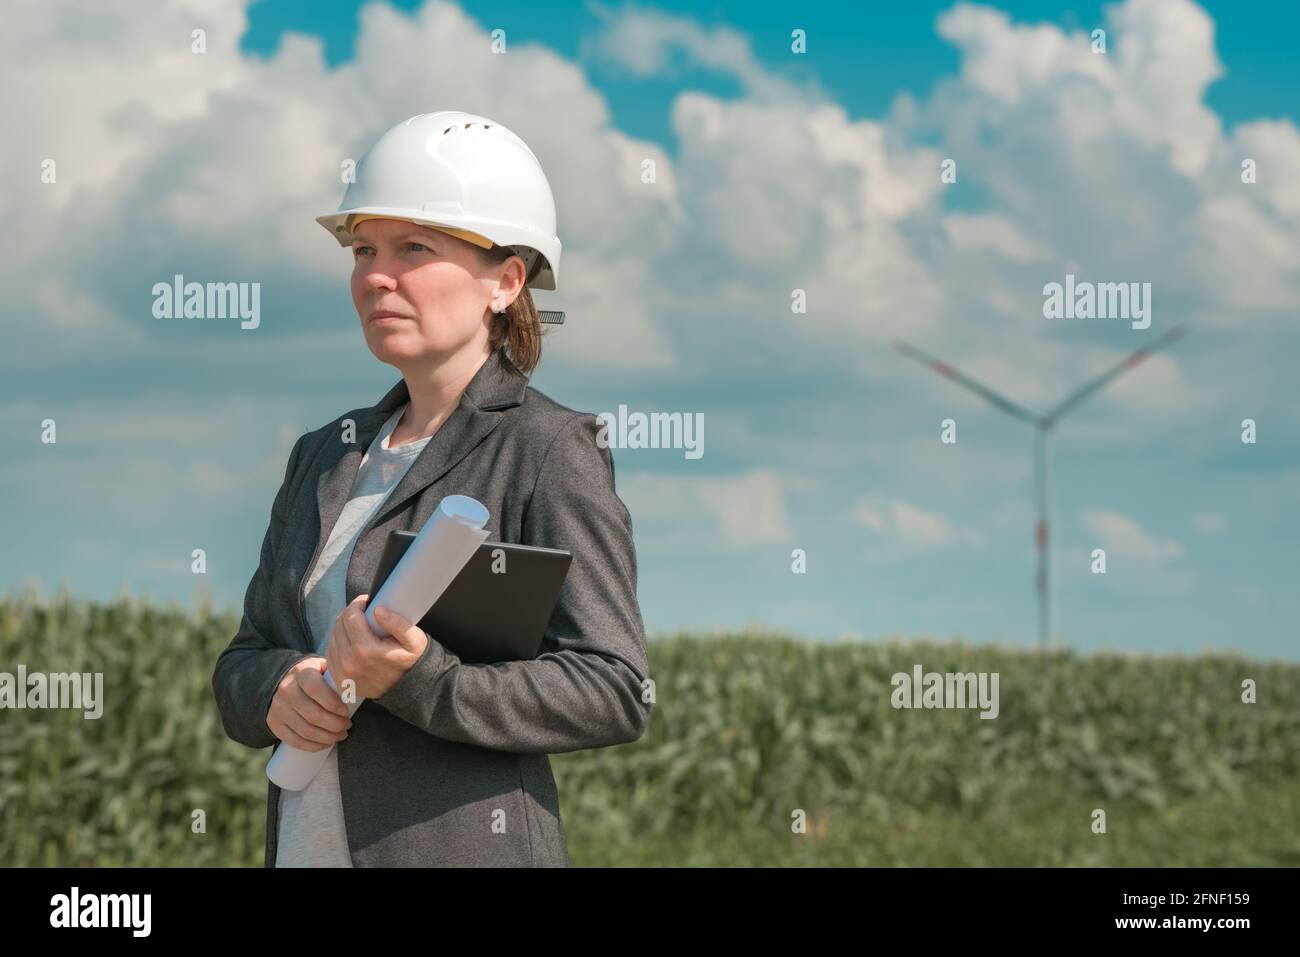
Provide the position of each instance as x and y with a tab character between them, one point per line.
983	391
1088	388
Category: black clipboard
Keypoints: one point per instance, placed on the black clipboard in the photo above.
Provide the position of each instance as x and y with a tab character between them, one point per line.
498	607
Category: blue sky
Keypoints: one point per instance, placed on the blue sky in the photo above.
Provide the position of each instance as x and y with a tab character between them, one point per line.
776	172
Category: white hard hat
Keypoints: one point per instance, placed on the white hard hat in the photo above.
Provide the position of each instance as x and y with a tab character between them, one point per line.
464	174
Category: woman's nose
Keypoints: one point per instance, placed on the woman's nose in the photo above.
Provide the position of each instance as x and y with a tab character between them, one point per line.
379	278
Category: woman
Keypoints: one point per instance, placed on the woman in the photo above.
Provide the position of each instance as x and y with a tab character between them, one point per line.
450	220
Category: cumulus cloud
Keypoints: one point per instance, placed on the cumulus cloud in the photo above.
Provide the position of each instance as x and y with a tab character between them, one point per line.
709	511
989	231
230	156
1123	537
1154	183
788	192
649	42
908	524
1209	523
167	158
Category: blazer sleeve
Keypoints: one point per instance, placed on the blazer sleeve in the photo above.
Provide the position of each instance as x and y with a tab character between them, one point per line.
588	692
249	670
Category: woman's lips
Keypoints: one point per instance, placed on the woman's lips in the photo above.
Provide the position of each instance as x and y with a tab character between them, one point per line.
386	317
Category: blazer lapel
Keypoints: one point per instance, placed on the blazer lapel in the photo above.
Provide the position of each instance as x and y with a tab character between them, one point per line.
340	463
496	386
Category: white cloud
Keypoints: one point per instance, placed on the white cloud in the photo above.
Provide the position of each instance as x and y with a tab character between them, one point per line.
1274	145
645	42
1160	58
1124	538
794	194
711	511
1252	254
1007	62
782	190
968	231
225	159
1154	184
1209	523
869	514
919	528
910	525
775	190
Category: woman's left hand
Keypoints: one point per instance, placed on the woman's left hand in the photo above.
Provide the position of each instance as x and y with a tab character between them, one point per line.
374	662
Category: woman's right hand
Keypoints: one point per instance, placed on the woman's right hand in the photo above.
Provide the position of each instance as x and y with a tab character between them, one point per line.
306	713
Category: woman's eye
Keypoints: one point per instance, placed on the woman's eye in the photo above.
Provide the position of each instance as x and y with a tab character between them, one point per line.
361	250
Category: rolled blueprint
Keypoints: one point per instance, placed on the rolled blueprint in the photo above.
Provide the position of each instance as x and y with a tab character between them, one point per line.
431	562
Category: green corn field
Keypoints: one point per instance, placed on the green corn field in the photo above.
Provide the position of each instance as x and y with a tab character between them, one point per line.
762	750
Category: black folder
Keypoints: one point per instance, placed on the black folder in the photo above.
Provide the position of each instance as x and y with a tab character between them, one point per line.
498	607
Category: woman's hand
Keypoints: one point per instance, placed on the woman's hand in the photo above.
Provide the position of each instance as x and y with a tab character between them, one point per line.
305	712
374	662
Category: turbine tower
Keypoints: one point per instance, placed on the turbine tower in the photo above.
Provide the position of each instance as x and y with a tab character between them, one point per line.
1042	427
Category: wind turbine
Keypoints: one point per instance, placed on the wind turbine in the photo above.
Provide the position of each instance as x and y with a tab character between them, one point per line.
1043	426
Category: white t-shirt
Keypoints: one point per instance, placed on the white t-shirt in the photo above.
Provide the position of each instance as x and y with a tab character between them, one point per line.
311	829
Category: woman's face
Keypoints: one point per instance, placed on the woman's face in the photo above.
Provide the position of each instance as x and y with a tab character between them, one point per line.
438	289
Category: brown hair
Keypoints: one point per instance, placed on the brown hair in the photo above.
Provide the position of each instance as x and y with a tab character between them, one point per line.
518	330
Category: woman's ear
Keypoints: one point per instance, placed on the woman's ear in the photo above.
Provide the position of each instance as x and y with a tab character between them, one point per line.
511	278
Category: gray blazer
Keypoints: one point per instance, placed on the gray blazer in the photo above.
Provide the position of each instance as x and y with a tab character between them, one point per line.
429	766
